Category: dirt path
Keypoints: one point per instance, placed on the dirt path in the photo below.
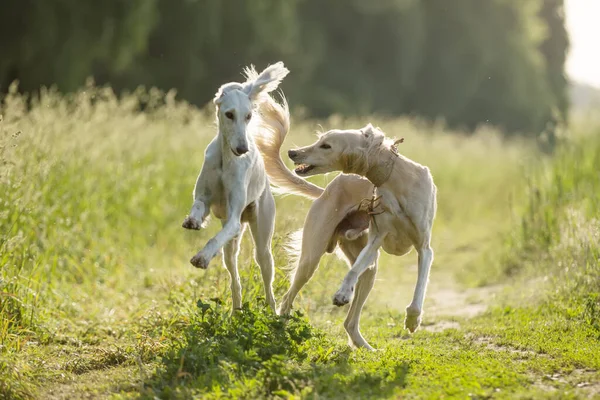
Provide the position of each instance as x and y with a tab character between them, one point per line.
446	299
451	301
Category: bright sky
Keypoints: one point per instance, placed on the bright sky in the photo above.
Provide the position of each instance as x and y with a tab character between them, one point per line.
583	24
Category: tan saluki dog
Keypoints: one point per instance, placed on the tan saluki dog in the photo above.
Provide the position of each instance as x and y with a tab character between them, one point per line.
395	204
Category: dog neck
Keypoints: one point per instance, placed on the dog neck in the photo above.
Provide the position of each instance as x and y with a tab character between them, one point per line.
376	164
380	171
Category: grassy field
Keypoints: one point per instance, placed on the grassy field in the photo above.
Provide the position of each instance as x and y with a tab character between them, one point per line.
98	298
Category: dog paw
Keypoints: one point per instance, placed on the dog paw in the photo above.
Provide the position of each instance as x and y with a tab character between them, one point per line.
191	223
342	297
362	345
412	320
200	261
284	309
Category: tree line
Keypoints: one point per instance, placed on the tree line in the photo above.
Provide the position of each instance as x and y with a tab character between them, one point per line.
466	61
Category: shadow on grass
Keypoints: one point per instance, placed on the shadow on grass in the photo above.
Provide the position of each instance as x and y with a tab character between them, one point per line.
256	354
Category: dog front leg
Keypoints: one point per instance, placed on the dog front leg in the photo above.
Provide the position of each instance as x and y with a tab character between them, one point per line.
201	206
415	308
204	188
366	258
231	229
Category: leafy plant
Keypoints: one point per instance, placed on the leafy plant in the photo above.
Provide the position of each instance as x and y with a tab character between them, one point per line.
253	342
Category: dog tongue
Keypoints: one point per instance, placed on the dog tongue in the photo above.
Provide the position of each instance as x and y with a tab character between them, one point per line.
302	168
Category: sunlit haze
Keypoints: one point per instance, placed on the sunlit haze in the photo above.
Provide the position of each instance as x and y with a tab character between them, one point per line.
583	63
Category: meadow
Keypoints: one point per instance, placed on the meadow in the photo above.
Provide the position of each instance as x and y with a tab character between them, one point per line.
98	299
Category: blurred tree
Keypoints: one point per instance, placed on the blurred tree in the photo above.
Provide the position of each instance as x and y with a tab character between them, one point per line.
58	42
554	49
467	61
463	42
199	44
366	55
485	65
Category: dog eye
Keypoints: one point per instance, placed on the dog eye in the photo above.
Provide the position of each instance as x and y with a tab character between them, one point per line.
248	117
324	146
229	114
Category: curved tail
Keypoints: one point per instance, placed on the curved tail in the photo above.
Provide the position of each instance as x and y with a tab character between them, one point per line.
275	125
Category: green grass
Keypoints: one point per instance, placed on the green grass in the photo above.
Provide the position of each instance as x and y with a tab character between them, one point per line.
97	298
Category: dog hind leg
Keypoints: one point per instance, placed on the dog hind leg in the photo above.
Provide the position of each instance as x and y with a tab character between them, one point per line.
262	227
363	287
314	245
318	233
307	266
230	255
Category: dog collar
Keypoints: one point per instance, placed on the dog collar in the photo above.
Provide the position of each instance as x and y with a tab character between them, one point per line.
381	172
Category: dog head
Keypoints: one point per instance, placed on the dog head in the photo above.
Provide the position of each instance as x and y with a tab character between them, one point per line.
235	103
336	150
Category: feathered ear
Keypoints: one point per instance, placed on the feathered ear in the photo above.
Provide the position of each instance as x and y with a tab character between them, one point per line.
368	130
218	98
265	82
223	91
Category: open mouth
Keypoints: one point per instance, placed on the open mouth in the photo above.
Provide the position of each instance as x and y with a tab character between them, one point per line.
303	169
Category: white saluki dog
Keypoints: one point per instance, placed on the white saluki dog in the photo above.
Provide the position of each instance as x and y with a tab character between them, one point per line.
233	183
400	219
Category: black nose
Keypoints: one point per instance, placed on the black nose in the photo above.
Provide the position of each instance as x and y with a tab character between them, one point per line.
241	149
292	153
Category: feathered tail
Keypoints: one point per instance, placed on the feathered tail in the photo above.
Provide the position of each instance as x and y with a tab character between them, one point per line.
275	125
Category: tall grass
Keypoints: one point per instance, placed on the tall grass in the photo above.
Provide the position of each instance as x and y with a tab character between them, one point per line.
83	181
560	224
558	234
94	189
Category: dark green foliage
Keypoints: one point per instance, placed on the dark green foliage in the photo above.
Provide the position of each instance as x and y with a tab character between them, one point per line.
254	353
468	61
198	45
63	42
481	65
253	342
592	311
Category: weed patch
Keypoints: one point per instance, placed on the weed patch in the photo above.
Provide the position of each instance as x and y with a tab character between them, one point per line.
219	348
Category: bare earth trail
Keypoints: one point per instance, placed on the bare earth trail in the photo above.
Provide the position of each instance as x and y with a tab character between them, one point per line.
446	301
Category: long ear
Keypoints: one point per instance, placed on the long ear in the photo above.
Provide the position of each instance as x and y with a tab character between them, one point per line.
224	89
266	81
368	130
373	137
